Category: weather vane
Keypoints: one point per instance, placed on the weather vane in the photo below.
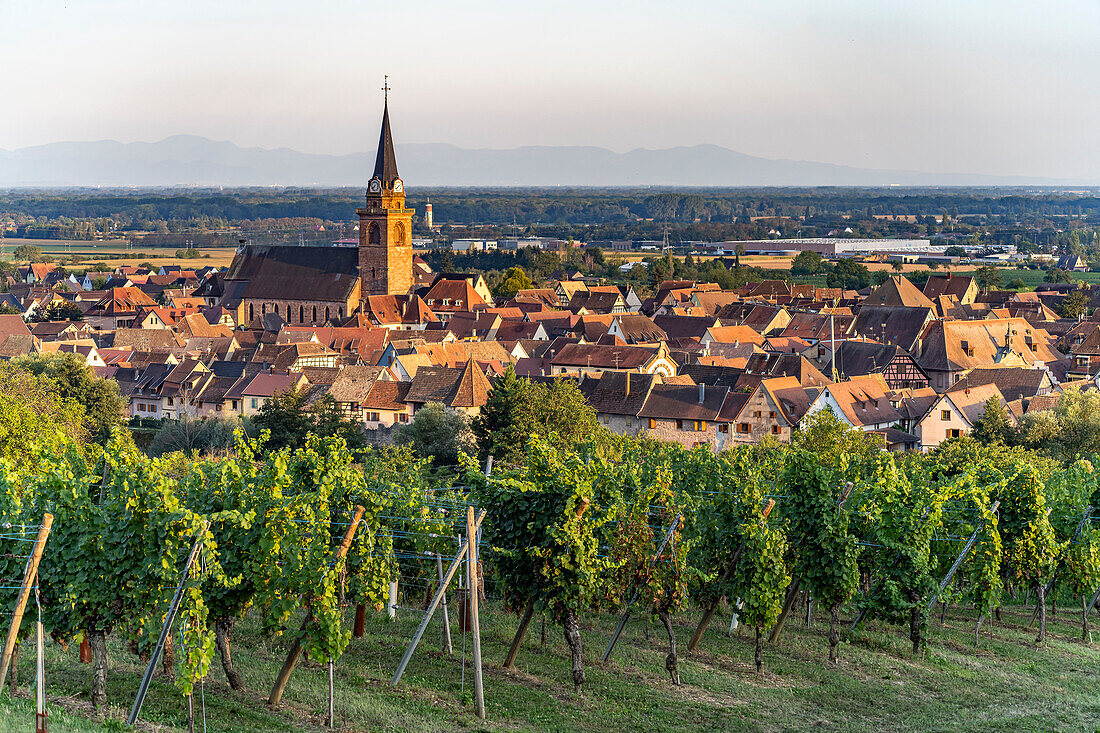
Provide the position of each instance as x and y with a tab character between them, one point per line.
386	87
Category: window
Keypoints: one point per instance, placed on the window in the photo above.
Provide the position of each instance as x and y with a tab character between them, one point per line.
301	314
233	405
314	314
702	425
758	413
141	407
679	424
217	408
945	415
744	428
772	414
652	422
253	403
724	428
152	408
776	429
374	417
954	433
170	402
402	417
374	236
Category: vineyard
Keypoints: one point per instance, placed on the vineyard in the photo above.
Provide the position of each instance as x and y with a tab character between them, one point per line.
825	553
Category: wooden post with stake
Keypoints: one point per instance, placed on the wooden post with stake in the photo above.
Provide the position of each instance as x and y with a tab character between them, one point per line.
30	576
169	617
472	573
296	648
445	619
431	607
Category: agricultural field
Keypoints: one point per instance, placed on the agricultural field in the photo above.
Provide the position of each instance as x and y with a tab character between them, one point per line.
116	253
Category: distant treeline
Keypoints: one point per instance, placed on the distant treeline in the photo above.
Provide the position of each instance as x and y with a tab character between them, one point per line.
527	206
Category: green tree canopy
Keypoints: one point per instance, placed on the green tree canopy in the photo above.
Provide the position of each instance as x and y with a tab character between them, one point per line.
73	380
807	262
439	433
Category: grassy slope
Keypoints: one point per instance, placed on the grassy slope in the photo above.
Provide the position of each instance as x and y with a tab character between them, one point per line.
1004	684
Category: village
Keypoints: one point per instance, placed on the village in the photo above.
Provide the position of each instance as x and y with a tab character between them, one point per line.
691	364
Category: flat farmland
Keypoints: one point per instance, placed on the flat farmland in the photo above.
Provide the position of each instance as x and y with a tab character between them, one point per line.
117	252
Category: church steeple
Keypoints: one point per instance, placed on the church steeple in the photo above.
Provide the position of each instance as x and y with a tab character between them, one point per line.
385	164
385	225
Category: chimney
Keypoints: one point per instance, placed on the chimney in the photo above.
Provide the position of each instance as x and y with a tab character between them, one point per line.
702	388
627	385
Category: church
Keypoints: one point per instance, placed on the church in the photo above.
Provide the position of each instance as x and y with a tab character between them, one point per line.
315	286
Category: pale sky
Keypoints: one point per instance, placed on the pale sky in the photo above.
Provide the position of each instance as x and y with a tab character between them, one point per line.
1006	87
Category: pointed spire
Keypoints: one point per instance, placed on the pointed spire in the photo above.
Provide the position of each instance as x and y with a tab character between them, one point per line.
385	165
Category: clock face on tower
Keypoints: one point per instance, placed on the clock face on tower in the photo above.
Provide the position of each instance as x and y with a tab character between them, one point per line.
398	186
375	185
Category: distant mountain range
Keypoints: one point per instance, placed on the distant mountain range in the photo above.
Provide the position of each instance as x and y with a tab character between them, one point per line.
187	160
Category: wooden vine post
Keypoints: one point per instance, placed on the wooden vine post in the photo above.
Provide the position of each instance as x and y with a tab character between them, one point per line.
472	572
296	648
435	602
30	575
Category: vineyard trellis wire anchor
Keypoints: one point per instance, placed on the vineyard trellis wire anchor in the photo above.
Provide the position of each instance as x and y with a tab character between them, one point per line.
730	567
173	607
626	611
30	578
958	561
296	648
444	583
1054	571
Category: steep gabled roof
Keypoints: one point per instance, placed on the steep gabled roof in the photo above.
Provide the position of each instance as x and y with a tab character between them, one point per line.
898	291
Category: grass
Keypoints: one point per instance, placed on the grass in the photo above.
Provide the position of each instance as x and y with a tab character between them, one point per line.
1005	683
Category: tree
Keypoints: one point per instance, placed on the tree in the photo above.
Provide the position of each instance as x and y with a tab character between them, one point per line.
993	426
987	277
955	251
848	275
290	420
74	380
515	279
1068	432
806	262
518	408
933	265
202	434
1074	305
1057	275
59	311
1016	284
501	427
437	432
897	265
27	253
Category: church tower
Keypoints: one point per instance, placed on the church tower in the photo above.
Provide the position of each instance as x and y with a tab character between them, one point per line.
385	225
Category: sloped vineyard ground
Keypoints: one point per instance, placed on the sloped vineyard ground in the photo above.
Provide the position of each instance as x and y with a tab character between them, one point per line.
1005	683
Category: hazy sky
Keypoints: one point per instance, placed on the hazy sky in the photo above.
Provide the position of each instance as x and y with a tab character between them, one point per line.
977	86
